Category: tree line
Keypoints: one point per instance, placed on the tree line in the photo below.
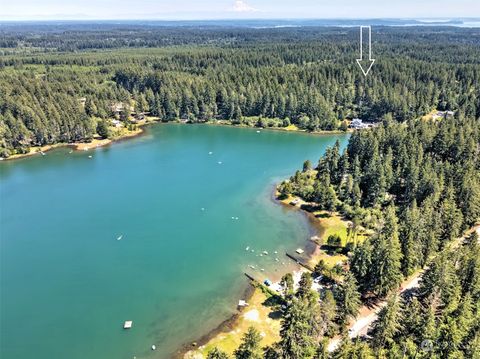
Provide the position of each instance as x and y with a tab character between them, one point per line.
306	77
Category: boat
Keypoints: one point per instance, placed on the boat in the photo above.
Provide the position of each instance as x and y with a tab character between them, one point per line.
248	248
119	237
265	253
154	347
128	324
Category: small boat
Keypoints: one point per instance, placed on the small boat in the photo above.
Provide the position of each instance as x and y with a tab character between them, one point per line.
275	252
247	249
252	267
219	162
265	253
128	324
43	153
203	209
258	131
154	347
210	153
119	237
89	156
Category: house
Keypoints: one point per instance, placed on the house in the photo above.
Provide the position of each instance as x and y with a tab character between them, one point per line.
116	123
443	114
358	124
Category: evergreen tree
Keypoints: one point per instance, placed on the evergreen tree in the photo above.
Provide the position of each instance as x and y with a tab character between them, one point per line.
385	274
348	300
387	325
250	346
215	353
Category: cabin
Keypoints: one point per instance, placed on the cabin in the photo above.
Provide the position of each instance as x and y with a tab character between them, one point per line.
116	123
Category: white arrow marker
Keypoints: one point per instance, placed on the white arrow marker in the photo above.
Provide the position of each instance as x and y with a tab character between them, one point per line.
370	61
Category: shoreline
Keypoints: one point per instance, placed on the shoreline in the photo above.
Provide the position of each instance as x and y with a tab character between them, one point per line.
77	146
228	324
97	143
311	248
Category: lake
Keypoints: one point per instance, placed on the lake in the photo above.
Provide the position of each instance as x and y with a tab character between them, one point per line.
152	229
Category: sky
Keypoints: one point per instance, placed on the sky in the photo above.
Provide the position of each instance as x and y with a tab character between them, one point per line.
234	9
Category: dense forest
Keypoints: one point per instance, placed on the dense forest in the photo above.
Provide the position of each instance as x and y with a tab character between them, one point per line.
65	84
417	186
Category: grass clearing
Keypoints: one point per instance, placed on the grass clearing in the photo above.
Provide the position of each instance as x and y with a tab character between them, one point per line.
257	314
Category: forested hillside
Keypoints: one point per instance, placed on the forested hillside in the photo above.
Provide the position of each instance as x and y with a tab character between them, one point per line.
58	84
417	186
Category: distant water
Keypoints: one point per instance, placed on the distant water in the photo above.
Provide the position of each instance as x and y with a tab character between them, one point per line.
68	283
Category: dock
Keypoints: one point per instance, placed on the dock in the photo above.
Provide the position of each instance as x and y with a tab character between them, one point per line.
299	262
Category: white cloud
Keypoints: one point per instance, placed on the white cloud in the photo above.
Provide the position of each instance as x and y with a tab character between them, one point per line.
242	6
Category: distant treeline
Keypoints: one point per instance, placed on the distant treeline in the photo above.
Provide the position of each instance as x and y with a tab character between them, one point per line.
51	92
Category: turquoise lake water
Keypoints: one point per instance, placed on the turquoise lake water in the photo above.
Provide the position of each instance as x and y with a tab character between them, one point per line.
67	284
